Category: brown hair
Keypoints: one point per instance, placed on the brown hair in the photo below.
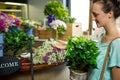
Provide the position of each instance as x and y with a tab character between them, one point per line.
109	5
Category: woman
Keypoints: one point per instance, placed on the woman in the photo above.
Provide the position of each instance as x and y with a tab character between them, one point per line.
105	13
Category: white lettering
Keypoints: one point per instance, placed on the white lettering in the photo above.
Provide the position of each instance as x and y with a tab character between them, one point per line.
10	64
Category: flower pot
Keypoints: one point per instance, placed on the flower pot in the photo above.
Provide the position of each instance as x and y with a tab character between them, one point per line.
78	76
1	44
29	31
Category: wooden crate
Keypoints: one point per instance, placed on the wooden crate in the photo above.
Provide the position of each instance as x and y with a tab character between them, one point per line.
46	34
74	29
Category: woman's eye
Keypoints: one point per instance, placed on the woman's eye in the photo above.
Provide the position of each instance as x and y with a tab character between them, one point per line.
95	15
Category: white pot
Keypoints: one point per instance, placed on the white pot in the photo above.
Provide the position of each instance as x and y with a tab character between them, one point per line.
78	76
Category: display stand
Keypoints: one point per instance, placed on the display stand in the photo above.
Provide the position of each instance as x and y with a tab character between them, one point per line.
40	72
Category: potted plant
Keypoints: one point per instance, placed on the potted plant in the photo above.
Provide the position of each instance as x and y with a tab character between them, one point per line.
56	8
16	42
81	53
57	25
28	24
7	22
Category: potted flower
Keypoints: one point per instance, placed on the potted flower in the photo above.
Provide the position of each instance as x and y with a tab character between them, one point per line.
28	24
7	22
81	53
56	24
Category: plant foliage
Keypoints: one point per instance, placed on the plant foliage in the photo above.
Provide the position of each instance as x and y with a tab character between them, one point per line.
81	53
16	40
56	8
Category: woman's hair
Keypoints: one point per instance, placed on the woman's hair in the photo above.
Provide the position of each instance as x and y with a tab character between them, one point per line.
109	5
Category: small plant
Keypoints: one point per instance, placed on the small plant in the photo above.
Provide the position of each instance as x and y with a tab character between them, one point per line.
81	53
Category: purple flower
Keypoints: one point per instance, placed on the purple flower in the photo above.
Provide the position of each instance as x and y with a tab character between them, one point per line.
2	25
50	18
55	49
45	58
7	21
17	22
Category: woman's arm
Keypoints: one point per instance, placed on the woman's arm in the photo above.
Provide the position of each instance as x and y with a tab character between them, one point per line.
116	73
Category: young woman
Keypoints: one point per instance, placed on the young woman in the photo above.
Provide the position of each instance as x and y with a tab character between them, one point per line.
105	13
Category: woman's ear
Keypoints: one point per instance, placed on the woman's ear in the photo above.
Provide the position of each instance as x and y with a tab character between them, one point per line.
110	14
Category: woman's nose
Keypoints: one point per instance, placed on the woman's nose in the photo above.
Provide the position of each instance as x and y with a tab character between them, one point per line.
93	18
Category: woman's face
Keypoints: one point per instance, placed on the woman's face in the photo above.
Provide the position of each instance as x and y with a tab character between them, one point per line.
99	16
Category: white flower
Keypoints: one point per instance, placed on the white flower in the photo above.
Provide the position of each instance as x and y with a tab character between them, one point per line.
56	23
29	23
47	54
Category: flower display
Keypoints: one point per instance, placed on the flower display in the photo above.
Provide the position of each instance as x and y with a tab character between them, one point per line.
56	24
48	54
8	20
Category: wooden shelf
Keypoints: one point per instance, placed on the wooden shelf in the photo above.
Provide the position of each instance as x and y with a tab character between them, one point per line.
17	9
8	10
40	66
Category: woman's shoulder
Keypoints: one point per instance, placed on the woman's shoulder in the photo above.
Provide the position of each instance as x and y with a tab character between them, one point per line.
116	42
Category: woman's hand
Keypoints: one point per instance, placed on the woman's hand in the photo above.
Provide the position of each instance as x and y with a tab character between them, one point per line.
61	44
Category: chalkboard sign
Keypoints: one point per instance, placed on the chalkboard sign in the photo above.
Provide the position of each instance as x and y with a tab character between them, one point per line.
9	65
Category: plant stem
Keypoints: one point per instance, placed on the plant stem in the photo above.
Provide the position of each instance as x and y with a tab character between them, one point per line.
56	35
